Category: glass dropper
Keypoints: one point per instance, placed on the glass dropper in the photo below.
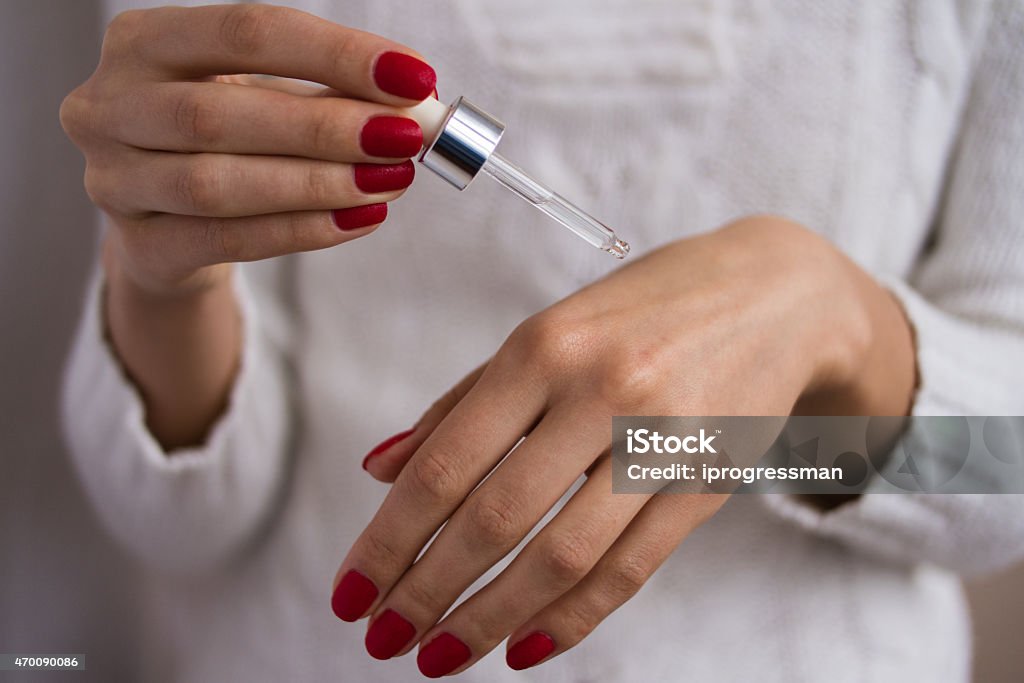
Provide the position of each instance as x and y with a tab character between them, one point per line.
463	141
555	205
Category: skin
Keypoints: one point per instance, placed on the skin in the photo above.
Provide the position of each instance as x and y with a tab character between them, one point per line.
760	317
196	170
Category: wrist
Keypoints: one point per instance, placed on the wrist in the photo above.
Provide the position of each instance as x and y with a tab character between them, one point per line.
808	292
179	345
124	274
864	362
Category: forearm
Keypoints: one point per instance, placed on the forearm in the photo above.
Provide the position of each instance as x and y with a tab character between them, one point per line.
181	348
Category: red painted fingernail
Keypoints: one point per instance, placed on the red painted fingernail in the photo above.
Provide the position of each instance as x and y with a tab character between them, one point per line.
529	651
356	217
386	444
391	136
404	75
353	596
388	634
442	655
384	177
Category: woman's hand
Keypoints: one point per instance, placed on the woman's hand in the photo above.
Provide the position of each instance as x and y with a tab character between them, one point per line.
759	318
198	167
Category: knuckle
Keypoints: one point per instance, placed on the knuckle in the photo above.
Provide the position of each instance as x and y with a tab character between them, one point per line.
225	243
74	114
198	120
296	227
97	187
197	186
434	475
626	576
577	622
320	183
245	29
345	51
86	114
381	553
298	231
495	519
325	131
426	596
123	32
566	557
492	625
549	341
629	380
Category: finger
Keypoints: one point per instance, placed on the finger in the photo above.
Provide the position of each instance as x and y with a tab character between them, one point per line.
499	409
388	458
648	541
231	185
238	119
171	245
495	518
229	39
553	562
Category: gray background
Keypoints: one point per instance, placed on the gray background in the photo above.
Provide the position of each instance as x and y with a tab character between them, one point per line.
63	586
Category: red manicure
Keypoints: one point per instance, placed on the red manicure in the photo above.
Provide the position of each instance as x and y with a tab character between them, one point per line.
442	655
404	75
353	596
529	651
384	177
388	634
386	444
359	216
394	137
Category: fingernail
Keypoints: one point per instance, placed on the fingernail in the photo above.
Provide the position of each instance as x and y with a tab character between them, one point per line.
388	634
386	444
359	216
391	136
384	177
404	75
529	651
353	596
442	655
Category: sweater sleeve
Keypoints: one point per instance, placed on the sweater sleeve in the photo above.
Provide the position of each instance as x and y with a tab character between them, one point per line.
965	301
194	510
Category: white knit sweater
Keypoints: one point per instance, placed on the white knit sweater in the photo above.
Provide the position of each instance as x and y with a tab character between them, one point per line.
895	127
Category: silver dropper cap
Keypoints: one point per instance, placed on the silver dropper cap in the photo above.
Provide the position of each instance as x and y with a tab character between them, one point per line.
463	144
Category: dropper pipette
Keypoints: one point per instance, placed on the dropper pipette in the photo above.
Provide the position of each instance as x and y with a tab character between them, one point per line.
462	142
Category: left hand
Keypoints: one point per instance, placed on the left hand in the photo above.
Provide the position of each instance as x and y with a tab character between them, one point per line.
762	317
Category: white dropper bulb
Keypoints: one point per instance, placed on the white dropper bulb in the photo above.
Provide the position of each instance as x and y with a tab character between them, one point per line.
430	114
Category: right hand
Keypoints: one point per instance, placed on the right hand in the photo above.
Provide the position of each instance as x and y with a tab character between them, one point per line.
198	167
